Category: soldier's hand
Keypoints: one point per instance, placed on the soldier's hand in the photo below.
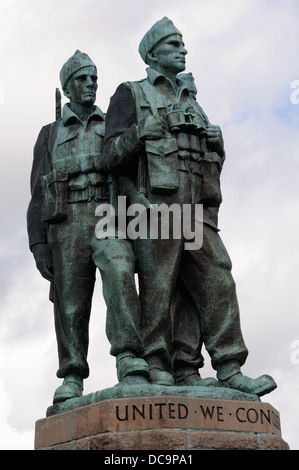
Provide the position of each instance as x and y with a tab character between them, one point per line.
213	132
43	260
214	138
151	128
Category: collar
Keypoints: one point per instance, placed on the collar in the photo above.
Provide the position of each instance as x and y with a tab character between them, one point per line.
68	115
154	77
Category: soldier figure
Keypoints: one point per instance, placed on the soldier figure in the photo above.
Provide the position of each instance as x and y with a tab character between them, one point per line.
67	185
158	136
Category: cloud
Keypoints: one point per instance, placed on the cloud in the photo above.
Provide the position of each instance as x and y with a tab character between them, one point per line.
12	438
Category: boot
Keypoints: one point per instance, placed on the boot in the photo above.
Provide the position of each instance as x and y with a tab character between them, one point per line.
230	375
131	369
161	377
72	387
191	377
158	375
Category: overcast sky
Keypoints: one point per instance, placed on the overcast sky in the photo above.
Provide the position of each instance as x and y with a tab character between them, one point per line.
244	55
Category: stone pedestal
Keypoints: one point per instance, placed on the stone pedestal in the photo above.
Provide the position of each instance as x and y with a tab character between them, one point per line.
163	418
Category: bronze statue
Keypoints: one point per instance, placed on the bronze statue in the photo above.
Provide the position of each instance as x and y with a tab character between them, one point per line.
67	186
155	148
159	139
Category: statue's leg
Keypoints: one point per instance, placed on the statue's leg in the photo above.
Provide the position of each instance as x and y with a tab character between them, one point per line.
116	261
158	262
73	289
207	275
74	278
187	342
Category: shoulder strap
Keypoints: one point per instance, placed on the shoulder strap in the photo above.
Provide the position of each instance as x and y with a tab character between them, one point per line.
139	90
52	134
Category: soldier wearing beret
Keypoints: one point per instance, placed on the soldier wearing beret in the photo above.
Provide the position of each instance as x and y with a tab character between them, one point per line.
159	136
67	185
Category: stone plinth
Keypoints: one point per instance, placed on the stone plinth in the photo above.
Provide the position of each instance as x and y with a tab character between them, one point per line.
163	421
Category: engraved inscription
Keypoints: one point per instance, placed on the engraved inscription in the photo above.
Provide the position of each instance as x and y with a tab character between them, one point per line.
253	416
202	414
152	411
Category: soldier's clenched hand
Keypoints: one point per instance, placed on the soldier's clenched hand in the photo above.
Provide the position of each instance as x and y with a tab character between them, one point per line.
214	137
151	128
43	260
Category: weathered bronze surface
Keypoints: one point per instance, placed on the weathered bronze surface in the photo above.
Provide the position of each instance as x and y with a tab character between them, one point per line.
67	186
158	148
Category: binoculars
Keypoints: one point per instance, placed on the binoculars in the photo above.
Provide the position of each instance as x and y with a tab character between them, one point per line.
185	121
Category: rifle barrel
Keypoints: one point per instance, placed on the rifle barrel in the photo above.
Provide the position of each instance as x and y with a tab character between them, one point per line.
58	104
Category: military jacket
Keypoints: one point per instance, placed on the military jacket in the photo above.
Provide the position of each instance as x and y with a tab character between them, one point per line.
65	169
181	149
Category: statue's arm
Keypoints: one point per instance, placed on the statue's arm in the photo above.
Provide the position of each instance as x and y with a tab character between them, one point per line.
122	140
37	229
213	134
215	140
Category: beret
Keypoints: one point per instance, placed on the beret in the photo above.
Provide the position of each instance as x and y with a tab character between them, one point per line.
76	62
160	30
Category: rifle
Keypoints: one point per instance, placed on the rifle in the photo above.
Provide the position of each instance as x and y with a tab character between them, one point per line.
58	116
58	104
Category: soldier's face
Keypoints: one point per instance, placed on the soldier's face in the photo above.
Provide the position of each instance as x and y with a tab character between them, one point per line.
170	54
82	86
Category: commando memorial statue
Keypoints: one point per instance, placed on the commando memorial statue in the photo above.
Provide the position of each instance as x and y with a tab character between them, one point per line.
67	185
155	153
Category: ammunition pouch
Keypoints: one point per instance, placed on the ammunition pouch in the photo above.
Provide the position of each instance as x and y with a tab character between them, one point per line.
54	188
211	168
76	164
88	193
162	158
